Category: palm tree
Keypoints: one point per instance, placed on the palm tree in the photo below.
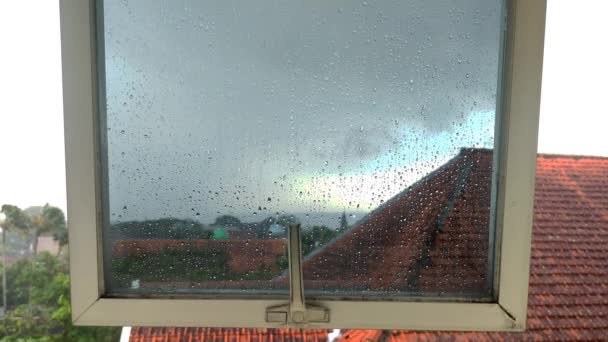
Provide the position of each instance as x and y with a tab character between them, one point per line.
62	239
35	221
15	218
47	220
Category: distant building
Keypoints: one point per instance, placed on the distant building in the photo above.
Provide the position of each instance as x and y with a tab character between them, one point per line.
48	244
277	231
220	234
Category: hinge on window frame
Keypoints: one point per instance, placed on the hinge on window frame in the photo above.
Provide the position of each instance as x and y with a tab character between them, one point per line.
296	313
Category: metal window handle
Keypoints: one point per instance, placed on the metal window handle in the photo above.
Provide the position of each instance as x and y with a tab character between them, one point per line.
296	312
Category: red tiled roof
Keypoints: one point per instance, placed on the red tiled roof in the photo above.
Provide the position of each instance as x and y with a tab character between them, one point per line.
431	238
568	293
569	269
144	334
245	255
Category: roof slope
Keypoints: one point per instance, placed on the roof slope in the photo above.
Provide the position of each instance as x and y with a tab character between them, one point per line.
432	238
568	294
569	268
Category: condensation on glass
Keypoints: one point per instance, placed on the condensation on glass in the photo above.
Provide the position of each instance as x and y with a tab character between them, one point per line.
371	124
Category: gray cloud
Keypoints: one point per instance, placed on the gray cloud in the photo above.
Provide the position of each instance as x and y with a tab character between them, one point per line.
211	94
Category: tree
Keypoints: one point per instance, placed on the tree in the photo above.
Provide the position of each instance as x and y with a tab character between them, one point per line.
62	239
37	289
343	223
227	221
35	221
40	305
15	219
49	221
27	279
316	237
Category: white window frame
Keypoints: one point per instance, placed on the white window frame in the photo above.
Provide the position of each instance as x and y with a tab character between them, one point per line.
517	136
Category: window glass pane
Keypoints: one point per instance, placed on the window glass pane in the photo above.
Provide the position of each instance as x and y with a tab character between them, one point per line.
371	124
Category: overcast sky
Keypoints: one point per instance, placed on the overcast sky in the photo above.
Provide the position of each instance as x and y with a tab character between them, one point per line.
348	101
225	107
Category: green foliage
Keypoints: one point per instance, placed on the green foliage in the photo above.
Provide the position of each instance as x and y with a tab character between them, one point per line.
39	292
316	237
16	219
62	239
27	279
50	221
35	221
28	323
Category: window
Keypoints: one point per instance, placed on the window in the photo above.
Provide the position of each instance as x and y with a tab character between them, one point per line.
395	141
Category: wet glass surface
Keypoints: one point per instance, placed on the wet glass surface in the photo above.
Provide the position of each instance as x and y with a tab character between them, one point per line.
371	124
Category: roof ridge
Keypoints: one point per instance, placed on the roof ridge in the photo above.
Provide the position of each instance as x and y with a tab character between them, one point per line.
425	257
412	187
570	156
539	155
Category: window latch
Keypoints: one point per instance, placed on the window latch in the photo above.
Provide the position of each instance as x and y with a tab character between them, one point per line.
296	312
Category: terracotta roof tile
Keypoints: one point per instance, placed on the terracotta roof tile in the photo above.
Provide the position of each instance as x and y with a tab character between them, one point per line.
568	294
245	255
569	271
148	334
431	238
